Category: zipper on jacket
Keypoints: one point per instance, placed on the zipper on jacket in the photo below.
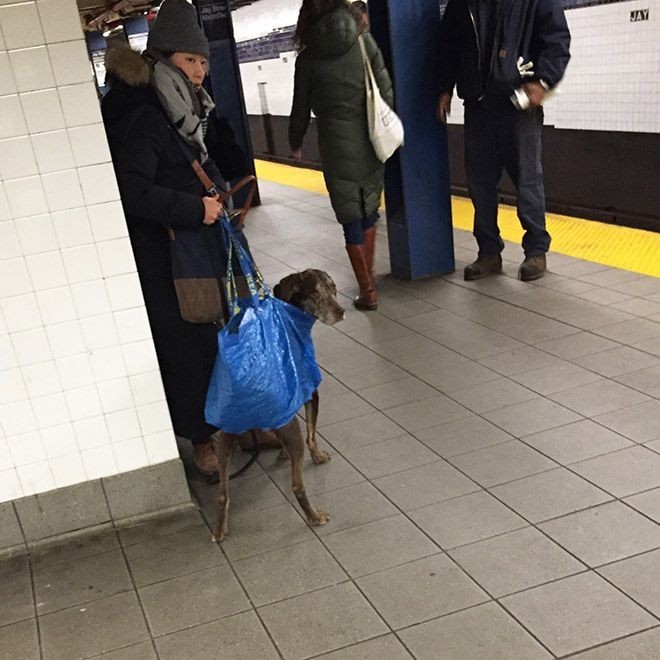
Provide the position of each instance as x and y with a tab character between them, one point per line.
476	38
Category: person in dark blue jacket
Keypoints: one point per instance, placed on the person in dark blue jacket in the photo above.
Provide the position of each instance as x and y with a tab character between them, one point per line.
503	57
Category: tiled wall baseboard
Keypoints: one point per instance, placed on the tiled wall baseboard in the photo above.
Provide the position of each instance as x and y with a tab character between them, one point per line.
112	501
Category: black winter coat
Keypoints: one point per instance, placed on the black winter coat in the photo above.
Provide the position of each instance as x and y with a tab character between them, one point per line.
158	187
535	30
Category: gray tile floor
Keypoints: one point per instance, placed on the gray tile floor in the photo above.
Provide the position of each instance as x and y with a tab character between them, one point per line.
494	488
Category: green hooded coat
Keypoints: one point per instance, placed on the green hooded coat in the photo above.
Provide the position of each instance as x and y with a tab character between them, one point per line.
330	82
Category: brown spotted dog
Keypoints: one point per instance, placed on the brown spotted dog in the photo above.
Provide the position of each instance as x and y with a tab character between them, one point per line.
316	293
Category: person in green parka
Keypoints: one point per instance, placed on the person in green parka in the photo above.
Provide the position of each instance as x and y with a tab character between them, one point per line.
330	81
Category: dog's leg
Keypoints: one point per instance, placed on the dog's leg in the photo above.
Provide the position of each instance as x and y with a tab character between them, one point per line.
292	440
311	416
225	444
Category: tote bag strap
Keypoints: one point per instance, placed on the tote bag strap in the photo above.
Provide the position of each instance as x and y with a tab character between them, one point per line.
369	77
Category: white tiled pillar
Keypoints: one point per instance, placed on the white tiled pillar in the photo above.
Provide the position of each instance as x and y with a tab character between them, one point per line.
80	391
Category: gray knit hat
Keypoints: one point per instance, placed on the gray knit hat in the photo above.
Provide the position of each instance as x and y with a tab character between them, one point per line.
177	29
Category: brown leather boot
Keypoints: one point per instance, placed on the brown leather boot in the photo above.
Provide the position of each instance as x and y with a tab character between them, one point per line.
370	249
205	459
367	301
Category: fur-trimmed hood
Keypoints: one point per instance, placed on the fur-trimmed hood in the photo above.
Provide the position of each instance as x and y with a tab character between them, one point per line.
128	66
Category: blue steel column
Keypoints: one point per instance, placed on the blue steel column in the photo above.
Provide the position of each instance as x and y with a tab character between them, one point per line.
417	189
225	74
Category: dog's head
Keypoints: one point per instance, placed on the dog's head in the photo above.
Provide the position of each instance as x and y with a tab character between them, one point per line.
315	292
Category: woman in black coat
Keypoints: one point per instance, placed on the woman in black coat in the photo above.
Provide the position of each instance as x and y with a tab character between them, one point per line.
159	188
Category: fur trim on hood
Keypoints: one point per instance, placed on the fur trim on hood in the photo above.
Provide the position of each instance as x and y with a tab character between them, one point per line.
127	65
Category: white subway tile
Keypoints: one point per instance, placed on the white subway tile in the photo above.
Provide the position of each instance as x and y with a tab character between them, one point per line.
21	313
36	234
90	298
41	379
72	228
81	264
70	62
99	462
123	425
89	144
80	104
31	68
92	433
12	388
16	158
83	402
107	364
99	332
3	45
50	410
161	447
124	291
60	20
42	110
6	460
7	354
154	418
63	190
147	388
65	339
36	478
68	470
21	25
26	448
56	305
10	247
5	213
31	346
108	221
99	183
140	356
7	84
10	486
17	418
26	196
132	325
74	371
46	270
12	120
14	278
115	395
59	440
116	257
53	151
130	455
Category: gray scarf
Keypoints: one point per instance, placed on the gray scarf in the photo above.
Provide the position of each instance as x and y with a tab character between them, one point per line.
186	107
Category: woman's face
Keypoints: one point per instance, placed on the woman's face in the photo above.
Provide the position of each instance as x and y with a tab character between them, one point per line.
194	66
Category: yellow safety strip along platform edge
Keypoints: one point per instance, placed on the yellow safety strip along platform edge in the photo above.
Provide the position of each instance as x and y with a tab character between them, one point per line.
636	250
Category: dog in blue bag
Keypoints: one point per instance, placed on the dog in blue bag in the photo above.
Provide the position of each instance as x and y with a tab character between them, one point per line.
266	369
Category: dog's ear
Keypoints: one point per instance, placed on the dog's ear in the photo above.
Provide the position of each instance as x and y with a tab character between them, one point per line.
288	287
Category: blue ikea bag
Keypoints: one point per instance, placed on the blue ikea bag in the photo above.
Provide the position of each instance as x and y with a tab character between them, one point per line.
266	368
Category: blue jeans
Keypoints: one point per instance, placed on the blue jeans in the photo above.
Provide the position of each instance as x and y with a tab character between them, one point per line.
499	137
354	231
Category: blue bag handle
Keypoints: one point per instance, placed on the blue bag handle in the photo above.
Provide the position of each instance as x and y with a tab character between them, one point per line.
249	269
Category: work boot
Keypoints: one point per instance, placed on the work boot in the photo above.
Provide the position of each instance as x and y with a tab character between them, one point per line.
367	301
532	268
205	459
485	265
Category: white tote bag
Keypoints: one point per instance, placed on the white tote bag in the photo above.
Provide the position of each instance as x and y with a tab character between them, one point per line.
385	127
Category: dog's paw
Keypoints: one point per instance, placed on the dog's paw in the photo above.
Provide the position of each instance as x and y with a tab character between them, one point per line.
218	537
320	519
319	457
282	456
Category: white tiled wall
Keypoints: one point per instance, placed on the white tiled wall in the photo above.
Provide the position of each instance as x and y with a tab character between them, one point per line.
278	76
80	391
